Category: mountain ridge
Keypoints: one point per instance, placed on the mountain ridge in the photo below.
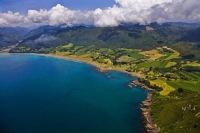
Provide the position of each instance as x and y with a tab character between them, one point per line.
11	35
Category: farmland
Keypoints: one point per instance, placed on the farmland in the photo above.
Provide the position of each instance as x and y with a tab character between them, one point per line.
161	63
162	66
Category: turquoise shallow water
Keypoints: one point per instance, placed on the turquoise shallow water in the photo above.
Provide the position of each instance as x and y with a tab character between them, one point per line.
40	94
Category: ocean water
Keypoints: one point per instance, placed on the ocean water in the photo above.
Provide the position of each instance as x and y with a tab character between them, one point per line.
40	94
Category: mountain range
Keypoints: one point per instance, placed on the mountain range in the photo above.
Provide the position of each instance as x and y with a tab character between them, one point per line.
135	36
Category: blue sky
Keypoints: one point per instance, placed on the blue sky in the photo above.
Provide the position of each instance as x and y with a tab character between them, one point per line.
22	6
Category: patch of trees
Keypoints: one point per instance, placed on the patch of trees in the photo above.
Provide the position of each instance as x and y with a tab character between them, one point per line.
192	35
105	36
134	35
192	68
167	50
168	76
180	90
190	56
148	84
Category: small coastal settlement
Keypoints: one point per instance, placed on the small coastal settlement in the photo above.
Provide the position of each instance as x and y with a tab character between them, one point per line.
173	80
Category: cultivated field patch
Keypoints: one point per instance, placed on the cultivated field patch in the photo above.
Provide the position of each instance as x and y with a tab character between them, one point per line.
152	54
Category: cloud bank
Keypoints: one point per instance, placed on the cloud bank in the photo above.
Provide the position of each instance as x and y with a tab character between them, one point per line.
124	11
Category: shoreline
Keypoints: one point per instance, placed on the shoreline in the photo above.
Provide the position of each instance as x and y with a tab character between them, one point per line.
146	109
145	105
101	69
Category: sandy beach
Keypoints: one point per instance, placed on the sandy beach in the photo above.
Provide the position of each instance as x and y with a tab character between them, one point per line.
98	65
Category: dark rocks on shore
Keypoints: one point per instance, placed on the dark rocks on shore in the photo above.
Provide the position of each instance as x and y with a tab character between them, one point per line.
137	83
146	108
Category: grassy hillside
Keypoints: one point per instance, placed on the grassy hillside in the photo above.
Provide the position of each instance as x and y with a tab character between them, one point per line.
178	112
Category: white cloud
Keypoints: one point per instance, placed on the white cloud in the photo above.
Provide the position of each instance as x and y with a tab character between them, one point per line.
11	18
44	38
125	11
140	4
182	10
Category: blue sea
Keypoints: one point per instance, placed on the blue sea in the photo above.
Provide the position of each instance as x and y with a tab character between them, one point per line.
41	94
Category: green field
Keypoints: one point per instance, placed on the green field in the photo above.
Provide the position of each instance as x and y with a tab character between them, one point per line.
152	64
163	64
162	83
65	47
126	59
77	47
188	85
81	51
189	76
135	54
193	64
175	55
170	64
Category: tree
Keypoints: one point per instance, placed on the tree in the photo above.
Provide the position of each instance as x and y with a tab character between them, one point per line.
180	90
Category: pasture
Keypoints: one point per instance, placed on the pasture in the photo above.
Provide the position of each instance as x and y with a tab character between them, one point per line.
152	54
162	83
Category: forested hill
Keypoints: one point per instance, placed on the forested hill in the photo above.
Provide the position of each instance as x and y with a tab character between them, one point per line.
192	35
126	36
10	36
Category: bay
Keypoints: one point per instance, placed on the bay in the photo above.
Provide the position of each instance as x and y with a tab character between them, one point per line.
41	94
